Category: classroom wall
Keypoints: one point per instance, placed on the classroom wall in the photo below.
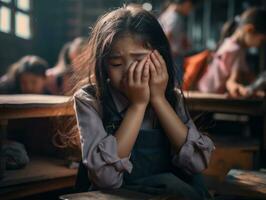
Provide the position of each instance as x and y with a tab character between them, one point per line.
53	24
47	36
12	48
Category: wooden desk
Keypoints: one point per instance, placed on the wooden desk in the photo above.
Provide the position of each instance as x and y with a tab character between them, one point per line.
246	183
217	103
31	180
32	106
221	103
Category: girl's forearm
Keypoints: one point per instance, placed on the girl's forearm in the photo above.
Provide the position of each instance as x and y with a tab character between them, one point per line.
128	131
175	129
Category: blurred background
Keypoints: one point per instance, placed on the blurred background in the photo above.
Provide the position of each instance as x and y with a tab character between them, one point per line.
43	27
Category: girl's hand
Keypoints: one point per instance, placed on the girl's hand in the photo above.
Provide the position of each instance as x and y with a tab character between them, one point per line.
158	76
237	90
136	83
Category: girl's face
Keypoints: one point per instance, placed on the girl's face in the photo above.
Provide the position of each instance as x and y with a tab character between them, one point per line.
254	39
126	50
31	83
187	7
251	38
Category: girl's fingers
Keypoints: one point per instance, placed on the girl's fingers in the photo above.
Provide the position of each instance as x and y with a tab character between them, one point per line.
156	63
138	70
161	60
130	74
145	74
153	72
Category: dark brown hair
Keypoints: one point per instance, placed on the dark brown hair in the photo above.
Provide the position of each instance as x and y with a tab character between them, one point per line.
27	64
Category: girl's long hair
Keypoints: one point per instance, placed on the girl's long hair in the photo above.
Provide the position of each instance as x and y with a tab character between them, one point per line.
110	27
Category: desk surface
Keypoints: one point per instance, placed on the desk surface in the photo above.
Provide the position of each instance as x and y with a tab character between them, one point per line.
31	100
119	194
28	106
202	102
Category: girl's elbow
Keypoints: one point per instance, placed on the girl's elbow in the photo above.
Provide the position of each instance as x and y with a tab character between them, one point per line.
193	163
198	166
200	161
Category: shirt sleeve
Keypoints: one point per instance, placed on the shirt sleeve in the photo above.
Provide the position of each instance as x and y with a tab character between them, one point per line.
194	155
238	61
99	150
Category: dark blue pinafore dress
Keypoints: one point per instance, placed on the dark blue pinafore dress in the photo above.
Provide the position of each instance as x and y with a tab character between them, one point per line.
153	171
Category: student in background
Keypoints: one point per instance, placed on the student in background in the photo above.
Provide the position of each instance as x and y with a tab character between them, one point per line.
229	71
58	77
134	128
26	76
172	20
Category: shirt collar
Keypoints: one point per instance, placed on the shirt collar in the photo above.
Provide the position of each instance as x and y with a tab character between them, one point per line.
120	101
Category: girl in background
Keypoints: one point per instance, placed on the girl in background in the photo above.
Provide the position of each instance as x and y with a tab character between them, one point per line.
134	128
228	71
26	76
58	77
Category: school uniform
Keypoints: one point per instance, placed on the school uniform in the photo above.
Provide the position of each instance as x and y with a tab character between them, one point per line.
153	166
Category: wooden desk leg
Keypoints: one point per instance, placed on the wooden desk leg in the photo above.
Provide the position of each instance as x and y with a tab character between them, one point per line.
3	135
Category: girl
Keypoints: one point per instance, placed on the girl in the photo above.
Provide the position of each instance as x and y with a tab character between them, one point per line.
58	76
228	70
134	129
25	76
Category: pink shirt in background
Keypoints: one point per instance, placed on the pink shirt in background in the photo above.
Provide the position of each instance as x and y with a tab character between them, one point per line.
228	57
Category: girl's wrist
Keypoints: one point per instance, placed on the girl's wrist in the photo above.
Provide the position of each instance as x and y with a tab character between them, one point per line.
139	107
155	101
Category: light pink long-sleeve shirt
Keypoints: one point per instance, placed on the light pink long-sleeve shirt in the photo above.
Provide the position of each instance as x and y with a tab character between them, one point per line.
99	149
229	56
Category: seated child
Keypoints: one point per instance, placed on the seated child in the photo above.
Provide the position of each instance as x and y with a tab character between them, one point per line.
134	129
228	71
58	77
25	76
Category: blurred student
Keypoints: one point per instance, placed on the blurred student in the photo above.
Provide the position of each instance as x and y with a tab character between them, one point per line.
229	71
172	21
26	76
58	76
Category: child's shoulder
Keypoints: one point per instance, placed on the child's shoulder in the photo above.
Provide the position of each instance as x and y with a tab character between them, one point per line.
86	93
229	46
